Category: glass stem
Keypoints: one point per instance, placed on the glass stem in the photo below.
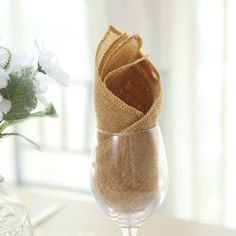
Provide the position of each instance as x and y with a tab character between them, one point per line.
129	231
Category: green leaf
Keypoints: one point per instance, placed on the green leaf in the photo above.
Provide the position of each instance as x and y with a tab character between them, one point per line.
49	111
21	92
3	126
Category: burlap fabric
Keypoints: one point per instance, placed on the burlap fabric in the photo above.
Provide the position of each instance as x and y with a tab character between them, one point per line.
128	97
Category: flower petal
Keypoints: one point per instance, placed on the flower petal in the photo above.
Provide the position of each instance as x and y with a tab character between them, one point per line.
50	66
5	105
41	86
20	59
60	76
3	78
42	99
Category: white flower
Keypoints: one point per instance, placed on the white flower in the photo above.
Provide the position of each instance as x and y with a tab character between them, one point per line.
48	65
13	59
41	88
3	78
19	60
42	99
5	106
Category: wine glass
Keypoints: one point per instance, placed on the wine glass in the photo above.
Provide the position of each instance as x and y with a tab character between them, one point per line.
129	176
14	219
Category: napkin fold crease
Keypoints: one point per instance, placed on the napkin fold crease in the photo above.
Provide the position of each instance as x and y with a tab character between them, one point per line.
126	82
128	98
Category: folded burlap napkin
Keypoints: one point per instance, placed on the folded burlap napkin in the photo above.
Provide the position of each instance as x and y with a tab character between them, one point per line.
128	97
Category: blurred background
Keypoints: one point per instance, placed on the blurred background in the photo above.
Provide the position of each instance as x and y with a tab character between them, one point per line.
191	42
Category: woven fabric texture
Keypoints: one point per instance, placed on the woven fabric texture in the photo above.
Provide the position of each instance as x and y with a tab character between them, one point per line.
128	99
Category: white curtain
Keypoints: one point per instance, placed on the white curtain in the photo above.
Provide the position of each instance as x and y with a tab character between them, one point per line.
192	44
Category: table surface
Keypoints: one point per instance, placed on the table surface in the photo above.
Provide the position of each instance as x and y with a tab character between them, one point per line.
84	218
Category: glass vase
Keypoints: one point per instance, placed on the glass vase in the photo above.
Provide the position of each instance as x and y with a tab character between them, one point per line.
14	218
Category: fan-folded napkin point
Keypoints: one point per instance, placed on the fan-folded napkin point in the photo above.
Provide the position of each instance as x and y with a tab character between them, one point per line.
128	99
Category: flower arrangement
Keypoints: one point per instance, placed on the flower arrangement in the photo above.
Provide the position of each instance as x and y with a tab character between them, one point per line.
22	87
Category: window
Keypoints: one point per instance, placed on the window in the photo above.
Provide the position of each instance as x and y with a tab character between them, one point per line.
66	141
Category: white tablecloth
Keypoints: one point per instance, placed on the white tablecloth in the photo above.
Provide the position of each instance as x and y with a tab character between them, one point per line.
84	218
